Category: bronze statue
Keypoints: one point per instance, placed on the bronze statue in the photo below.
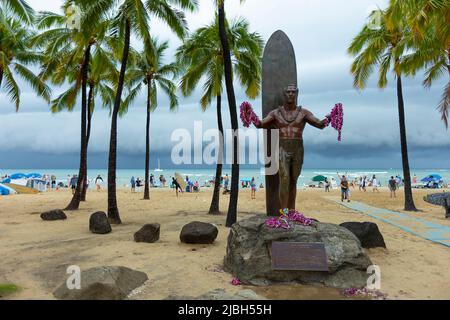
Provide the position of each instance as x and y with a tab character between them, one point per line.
291	120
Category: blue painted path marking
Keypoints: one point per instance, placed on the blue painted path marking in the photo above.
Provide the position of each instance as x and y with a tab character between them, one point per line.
416	226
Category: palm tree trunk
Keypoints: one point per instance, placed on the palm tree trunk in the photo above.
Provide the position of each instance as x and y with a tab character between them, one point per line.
88	135
409	201
90	113
147	144
214	208
1	77
232	207
75	202
113	210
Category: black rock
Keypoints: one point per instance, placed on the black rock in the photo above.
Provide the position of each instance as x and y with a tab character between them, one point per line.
438	199
53	215
367	233
447	208
148	233
98	223
199	233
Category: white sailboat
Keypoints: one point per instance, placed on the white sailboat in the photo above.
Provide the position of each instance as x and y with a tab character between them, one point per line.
159	167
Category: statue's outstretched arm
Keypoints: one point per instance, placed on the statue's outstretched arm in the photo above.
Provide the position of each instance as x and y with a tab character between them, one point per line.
312	120
266	123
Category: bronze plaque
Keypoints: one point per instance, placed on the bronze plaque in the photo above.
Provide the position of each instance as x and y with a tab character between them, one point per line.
299	256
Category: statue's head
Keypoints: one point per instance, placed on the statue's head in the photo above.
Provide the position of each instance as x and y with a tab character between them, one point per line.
291	93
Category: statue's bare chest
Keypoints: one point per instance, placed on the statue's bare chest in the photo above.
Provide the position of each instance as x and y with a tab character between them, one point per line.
290	118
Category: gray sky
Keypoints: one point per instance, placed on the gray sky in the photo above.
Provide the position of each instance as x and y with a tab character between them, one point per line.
320	31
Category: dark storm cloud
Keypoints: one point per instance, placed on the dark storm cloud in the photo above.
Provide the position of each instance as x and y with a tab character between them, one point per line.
320	31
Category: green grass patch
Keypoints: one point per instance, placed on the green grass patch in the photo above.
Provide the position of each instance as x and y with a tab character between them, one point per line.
6	289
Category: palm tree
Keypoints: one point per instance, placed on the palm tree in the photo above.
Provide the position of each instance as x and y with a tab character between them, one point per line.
201	55
133	16
384	47
21	10
148	70
16	56
68	54
102	76
228	70
429	41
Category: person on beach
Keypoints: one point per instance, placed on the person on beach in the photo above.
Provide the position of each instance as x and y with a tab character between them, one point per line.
133	184
73	183
138	184
176	186
53	181
226	180
196	187
364	182
162	181
253	186
152	180
98	182
393	186
398	180
345	194
327	185
415	179
375	184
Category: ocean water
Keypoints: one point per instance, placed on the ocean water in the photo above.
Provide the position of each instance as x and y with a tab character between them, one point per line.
202	175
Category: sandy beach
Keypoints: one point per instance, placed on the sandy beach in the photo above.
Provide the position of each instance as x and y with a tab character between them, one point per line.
35	254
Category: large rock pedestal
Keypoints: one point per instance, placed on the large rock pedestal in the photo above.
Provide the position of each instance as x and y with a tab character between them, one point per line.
248	254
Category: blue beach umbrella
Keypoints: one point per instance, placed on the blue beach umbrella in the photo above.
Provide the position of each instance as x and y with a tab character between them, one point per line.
432	177
34	175
15	176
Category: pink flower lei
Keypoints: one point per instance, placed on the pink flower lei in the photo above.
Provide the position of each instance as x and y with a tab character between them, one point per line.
248	116
336	118
287	216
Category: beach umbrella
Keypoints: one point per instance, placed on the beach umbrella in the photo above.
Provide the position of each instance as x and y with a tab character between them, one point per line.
5	190
15	176
7	180
319	178
432	177
34	175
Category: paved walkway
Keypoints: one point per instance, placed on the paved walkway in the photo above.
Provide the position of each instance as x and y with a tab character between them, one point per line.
416	226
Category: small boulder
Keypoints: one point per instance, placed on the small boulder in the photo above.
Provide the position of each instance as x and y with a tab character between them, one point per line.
53	215
98	223
367	232
103	283
148	233
199	233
